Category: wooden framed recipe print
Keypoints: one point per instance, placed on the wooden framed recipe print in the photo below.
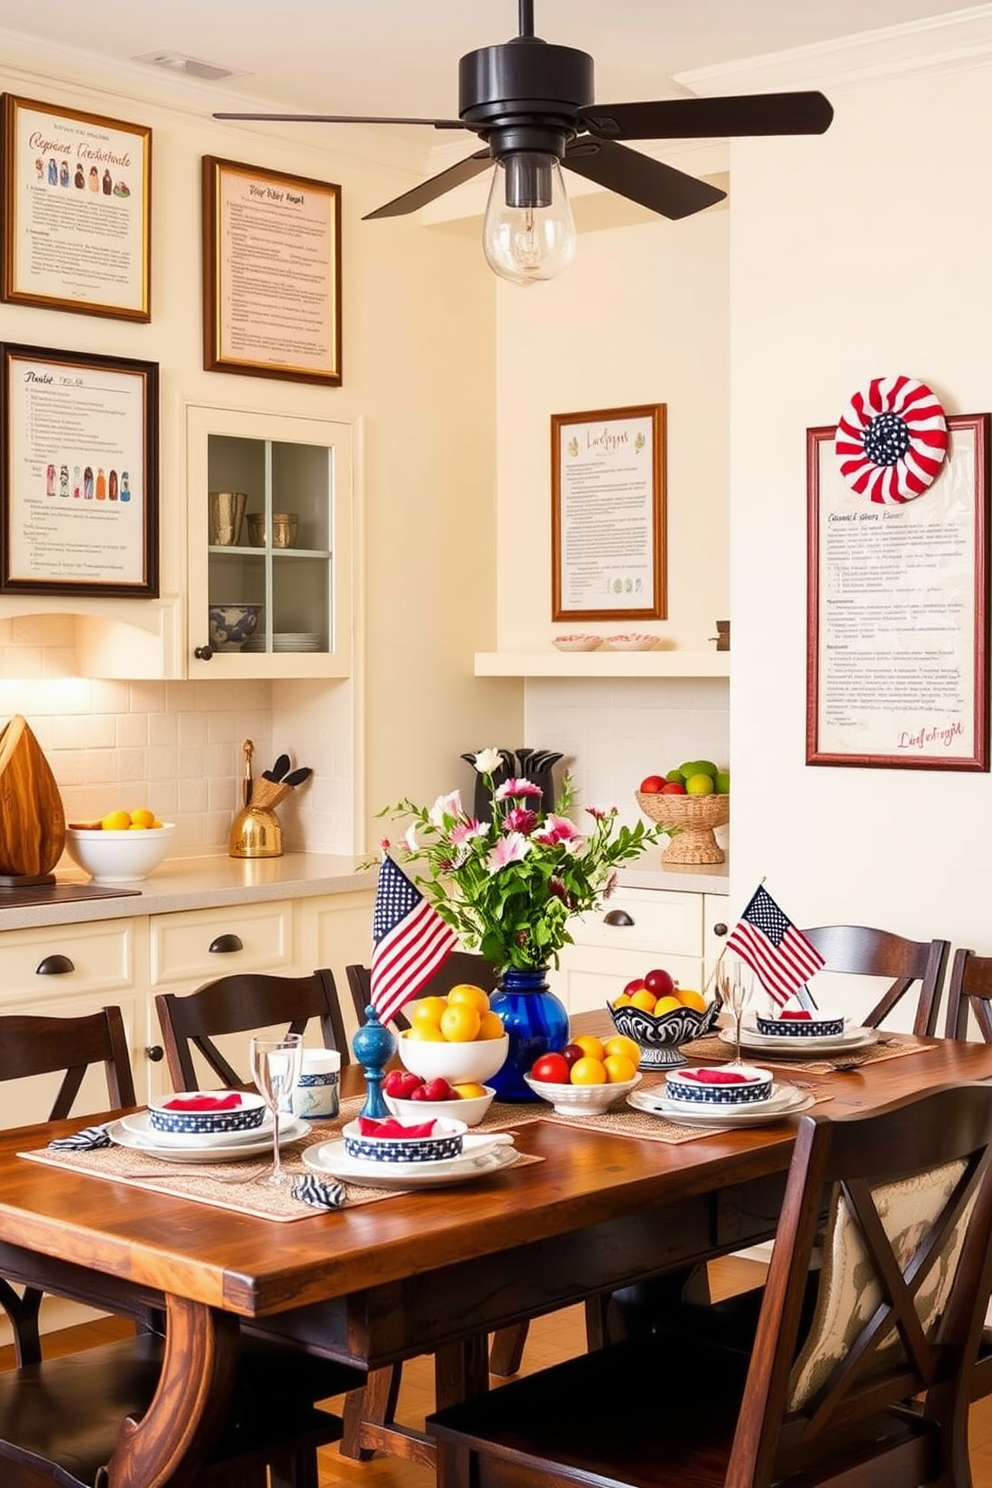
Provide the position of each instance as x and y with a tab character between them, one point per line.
77	211
897	612
79	476
271	273
608	514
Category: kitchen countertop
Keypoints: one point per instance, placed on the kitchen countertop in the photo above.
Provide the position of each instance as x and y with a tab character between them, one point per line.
701	878
198	883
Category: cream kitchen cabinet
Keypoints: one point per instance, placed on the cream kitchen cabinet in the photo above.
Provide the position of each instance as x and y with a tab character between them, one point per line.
639	928
283	465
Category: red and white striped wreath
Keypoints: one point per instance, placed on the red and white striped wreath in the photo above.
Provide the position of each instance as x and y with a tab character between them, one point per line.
891	440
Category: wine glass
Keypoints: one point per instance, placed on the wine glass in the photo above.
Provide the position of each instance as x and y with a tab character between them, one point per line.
275	1067
735	986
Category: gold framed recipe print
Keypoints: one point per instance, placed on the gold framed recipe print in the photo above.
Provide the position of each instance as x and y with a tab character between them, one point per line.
77	211
271	273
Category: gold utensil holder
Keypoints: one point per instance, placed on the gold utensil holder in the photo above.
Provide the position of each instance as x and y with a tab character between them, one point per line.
255	833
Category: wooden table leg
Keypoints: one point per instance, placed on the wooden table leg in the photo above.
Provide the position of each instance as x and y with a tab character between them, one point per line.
190	1403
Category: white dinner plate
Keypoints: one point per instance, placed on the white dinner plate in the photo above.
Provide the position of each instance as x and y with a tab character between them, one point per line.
796	1048
789	1103
148	1141
474	1162
140	1126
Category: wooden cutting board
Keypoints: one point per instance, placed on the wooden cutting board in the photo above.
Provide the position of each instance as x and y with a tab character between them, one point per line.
32	818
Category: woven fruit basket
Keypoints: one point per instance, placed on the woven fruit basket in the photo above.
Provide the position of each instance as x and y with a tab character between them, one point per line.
691	819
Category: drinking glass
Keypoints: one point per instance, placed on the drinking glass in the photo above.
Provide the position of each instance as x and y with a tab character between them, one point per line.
735	985
275	1067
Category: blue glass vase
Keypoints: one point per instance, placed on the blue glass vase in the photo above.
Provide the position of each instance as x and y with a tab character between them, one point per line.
537	1023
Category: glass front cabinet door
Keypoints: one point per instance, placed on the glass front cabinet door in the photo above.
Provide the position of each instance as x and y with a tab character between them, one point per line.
269	501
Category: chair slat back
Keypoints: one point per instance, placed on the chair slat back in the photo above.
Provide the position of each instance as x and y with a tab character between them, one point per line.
243	1003
864	951
460	966
905	1282
970	987
32	1045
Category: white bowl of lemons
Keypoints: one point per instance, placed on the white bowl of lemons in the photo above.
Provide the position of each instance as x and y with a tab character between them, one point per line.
455	1038
119	853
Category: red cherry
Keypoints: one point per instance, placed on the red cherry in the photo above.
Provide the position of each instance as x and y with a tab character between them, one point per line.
551	1068
660	983
571	1053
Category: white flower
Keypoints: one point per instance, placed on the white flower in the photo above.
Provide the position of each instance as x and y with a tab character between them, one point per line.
410	838
446	806
488	761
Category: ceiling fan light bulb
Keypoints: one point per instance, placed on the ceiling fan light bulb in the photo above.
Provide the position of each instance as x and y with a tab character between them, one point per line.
528	233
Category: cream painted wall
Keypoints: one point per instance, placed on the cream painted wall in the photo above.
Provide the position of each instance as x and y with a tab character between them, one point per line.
418	372
859	254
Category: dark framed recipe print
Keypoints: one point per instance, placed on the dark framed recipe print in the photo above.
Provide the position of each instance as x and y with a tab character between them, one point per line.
79	477
608	541
76	211
271	273
897	613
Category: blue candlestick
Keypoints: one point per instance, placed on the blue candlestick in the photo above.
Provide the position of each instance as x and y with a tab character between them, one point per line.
373	1047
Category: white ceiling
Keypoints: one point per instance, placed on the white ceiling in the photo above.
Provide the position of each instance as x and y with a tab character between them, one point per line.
400	56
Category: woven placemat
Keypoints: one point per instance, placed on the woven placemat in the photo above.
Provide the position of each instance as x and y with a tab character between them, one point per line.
223	1185
894	1047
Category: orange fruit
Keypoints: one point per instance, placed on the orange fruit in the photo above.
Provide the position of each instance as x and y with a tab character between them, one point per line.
666	1005
142	817
588	1071
692	1000
644	1000
619	1068
620	1044
469	1092
116	821
428	1035
426	1013
137	827
590	1045
460	1024
465	993
624	1000
490	1026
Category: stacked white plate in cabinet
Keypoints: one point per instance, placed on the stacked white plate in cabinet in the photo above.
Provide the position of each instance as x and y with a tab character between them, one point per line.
286	640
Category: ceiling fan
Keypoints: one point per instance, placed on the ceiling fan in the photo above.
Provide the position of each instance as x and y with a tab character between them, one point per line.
531	104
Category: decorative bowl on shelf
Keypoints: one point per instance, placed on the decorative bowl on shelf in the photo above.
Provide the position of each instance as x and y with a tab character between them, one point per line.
632	641
577	642
460	1064
582	1100
230	625
661	1036
118	857
692	819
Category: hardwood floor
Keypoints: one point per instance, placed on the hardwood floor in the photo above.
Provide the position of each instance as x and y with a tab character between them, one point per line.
551	1338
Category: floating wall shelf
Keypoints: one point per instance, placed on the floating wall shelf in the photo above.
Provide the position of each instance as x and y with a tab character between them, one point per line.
605	664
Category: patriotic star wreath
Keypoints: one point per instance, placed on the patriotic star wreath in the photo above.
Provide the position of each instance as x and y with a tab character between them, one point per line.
891	440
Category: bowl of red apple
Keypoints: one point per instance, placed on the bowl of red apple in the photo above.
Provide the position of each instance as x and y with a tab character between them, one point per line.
660	1016
412	1098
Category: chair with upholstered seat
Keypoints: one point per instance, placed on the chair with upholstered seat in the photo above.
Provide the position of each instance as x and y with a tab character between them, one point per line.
913	965
902	1294
244	1003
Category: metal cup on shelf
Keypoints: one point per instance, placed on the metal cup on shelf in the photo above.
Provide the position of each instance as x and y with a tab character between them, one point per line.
225	513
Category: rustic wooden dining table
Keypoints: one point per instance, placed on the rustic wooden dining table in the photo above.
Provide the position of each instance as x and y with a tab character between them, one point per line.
430	1270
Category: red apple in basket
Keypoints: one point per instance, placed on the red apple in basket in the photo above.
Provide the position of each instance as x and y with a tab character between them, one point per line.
652	784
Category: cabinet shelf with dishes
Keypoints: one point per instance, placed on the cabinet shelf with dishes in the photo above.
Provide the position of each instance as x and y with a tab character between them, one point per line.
605	664
269	514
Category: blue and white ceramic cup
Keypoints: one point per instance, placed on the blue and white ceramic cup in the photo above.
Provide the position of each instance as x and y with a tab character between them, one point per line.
315	1096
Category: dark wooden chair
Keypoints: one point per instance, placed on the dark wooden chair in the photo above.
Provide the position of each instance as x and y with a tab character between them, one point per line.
912	964
902	1295
244	1003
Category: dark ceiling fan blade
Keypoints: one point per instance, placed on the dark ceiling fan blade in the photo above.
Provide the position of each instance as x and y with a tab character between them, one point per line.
343	119
710	118
430	190
654	185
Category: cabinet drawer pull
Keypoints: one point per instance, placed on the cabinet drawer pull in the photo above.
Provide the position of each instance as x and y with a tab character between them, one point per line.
224	944
54	965
155	1053
618	917
719	928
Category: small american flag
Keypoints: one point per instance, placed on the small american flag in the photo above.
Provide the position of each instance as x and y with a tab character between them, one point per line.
410	941
776	951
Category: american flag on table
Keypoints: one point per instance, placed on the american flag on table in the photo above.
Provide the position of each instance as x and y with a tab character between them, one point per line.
779	954
410	941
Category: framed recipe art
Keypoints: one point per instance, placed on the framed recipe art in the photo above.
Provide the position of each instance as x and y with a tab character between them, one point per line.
608	548
271	273
77	211
897	613
79	476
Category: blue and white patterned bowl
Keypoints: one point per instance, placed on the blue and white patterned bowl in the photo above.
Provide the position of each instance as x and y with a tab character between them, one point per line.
820	1024
758	1087
230	625
445	1142
247	1116
660	1037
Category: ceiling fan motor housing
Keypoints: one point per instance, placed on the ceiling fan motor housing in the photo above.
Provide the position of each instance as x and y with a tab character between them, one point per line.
525	95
